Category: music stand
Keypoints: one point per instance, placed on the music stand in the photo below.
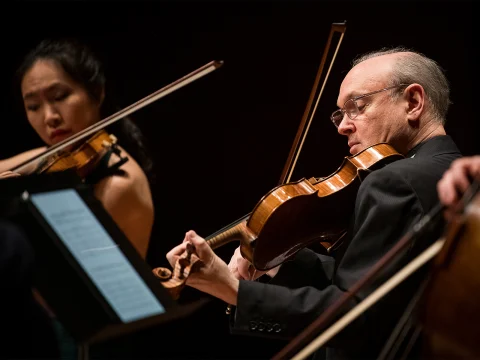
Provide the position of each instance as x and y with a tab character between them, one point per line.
86	269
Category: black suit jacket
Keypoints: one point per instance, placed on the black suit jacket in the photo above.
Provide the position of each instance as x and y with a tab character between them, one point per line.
389	202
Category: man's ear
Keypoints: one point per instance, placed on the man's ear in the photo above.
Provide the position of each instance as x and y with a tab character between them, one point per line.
415	96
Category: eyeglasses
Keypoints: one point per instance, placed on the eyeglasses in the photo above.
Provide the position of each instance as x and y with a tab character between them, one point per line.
351	107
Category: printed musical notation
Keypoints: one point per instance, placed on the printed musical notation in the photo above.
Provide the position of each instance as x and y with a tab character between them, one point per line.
101	258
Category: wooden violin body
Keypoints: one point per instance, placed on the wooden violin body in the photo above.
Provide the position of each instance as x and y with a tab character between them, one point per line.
450	310
84	158
297	214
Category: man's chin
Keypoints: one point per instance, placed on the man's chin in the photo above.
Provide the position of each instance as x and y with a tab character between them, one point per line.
355	149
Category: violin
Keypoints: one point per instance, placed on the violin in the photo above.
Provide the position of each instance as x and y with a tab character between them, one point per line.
292	216
86	156
449	310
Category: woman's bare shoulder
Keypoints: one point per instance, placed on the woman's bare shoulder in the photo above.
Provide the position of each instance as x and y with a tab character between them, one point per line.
133	173
132	183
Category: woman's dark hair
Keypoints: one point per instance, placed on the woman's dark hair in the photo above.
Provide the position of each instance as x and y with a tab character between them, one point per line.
85	68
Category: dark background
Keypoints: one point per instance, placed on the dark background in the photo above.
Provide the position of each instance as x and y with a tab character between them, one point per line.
220	143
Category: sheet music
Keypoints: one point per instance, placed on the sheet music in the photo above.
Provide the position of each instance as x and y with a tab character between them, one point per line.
93	248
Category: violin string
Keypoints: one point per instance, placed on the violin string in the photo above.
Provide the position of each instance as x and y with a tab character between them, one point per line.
413	338
229	226
403	326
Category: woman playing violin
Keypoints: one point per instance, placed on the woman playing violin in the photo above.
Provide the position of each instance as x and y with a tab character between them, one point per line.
62	85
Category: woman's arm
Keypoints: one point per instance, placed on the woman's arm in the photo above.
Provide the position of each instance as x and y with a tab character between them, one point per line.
10	163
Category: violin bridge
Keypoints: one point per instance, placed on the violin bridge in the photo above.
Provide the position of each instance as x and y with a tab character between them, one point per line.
110	144
113	138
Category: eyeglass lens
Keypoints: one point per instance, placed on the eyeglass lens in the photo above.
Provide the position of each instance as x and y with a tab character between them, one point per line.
350	108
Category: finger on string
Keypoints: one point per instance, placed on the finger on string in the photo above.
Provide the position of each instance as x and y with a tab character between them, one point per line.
201	247
188	234
177	250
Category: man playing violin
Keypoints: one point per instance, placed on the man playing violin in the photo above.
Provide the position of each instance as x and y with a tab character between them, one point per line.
396	96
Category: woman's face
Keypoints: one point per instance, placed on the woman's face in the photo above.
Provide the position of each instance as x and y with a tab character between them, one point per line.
56	106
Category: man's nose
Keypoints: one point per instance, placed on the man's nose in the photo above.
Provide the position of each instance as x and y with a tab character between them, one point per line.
346	126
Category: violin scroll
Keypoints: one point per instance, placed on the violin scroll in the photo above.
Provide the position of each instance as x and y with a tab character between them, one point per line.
175	281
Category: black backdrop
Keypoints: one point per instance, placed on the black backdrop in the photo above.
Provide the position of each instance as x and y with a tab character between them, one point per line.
220	143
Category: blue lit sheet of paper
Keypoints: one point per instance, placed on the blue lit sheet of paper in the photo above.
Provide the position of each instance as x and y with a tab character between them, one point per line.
98	254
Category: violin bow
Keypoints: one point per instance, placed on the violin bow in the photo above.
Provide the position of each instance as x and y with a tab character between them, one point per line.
305	343
305	122
168	89
309	112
